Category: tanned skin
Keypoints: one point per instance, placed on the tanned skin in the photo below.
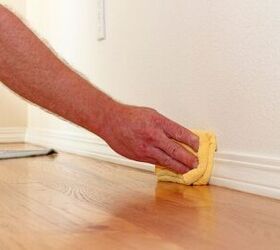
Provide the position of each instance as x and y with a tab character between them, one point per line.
32	70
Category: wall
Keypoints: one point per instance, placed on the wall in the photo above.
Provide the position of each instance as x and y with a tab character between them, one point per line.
206	64
13	109
17	6
54	22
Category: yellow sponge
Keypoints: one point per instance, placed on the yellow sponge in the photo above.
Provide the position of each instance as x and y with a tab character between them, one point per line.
199	175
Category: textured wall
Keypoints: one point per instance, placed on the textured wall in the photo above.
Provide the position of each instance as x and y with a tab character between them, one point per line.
206	64
13	110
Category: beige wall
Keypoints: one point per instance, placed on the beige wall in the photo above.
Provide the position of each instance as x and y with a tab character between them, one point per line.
206	64
16	5
13	109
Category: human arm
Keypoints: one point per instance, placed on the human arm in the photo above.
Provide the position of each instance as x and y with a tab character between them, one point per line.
32	70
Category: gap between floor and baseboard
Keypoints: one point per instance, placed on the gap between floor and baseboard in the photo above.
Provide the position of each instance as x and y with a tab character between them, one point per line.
235	171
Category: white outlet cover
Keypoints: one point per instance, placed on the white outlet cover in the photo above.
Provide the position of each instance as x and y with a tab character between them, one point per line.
101	24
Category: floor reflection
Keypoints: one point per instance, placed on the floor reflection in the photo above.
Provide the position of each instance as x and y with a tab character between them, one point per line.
175	212
198	201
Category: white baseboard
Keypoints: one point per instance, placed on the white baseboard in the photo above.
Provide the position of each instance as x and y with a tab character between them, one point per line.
12	134
81	144
253	174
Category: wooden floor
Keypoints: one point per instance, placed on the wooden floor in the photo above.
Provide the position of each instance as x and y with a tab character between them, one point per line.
71	202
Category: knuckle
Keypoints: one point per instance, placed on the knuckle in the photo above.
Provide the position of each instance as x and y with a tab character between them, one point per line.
165	161
152	110
149	134
151	113
180	133
174	149
152	136
158	119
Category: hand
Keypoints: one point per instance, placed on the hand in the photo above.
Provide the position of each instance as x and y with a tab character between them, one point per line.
142	134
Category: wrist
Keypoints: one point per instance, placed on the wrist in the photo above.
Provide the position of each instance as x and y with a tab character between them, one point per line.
109	113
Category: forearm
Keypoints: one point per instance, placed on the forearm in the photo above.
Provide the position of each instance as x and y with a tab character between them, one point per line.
30	68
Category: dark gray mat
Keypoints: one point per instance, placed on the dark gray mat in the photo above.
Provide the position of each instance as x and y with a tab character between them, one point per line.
12	154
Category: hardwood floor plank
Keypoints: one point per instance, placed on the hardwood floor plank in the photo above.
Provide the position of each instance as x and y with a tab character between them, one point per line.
74	202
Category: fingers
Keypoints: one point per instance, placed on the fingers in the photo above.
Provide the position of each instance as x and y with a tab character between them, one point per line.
181	134
178	153
163	159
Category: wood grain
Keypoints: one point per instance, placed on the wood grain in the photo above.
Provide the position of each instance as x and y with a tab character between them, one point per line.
73	202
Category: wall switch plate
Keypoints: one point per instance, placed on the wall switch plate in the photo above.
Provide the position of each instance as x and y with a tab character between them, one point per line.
101	24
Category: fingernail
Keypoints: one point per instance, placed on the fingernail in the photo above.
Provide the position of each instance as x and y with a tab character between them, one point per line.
195	141
183	171
195	163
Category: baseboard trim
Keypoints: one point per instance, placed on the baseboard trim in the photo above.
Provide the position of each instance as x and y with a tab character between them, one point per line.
237	171
81	144
12	134
246	187
234	171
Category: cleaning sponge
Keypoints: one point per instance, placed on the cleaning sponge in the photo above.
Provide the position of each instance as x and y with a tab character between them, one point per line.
201	174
